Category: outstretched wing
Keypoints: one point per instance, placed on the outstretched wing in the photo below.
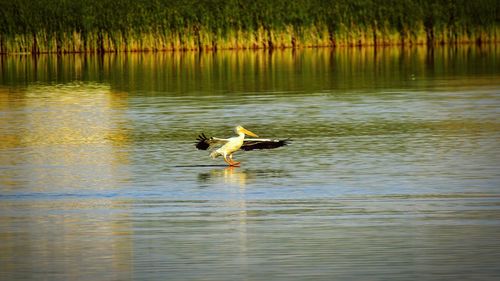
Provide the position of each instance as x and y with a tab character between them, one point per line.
205	143
251	144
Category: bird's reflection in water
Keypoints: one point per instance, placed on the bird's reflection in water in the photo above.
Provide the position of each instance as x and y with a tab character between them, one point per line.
235	176
230	175
235	182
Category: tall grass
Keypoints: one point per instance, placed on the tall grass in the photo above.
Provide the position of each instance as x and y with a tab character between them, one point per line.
40	26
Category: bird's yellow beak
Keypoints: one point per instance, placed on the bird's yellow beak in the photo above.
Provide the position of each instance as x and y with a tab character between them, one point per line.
247	132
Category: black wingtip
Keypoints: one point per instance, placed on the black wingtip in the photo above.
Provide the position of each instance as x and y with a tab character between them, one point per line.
202	143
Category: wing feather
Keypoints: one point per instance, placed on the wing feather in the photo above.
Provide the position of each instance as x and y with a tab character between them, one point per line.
251	144
205	143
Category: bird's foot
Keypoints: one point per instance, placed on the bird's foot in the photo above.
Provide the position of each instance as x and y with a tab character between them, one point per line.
234	164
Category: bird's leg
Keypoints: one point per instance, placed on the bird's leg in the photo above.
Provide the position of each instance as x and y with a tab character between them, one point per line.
230	160
226	160
234	163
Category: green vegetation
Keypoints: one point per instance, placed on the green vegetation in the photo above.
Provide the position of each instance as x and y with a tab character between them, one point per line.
40	26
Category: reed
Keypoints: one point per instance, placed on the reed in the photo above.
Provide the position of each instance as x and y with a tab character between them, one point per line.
63	26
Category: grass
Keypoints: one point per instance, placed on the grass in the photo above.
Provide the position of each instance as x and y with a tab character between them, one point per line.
96	26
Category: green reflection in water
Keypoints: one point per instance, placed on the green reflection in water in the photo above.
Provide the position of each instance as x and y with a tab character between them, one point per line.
310	70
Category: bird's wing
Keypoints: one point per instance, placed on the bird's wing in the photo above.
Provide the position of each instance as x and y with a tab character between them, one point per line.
205	143
251	144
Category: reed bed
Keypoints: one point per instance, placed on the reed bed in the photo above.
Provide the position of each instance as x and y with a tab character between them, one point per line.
96	26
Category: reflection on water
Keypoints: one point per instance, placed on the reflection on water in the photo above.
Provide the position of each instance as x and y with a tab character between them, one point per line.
57	142
65	240
229	176
249	72
392	172
62	137
235	176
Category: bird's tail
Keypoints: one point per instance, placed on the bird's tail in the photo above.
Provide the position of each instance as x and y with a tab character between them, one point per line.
215	154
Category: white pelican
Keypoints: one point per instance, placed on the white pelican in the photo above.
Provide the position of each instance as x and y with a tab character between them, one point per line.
226	147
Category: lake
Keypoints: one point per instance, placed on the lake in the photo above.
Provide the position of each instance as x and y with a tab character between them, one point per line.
392	172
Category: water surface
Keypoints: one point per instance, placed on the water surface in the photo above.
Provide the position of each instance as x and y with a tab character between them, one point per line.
392	172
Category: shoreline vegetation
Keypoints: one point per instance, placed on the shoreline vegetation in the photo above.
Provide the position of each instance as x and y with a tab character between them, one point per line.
100	26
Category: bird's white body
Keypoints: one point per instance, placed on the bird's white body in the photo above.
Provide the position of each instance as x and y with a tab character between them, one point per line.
232	145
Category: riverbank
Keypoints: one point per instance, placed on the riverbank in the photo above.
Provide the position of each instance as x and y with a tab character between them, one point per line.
91	26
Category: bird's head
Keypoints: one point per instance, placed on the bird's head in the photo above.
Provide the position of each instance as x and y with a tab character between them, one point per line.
240	129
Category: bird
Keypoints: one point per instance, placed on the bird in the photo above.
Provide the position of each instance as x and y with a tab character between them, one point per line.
226	147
